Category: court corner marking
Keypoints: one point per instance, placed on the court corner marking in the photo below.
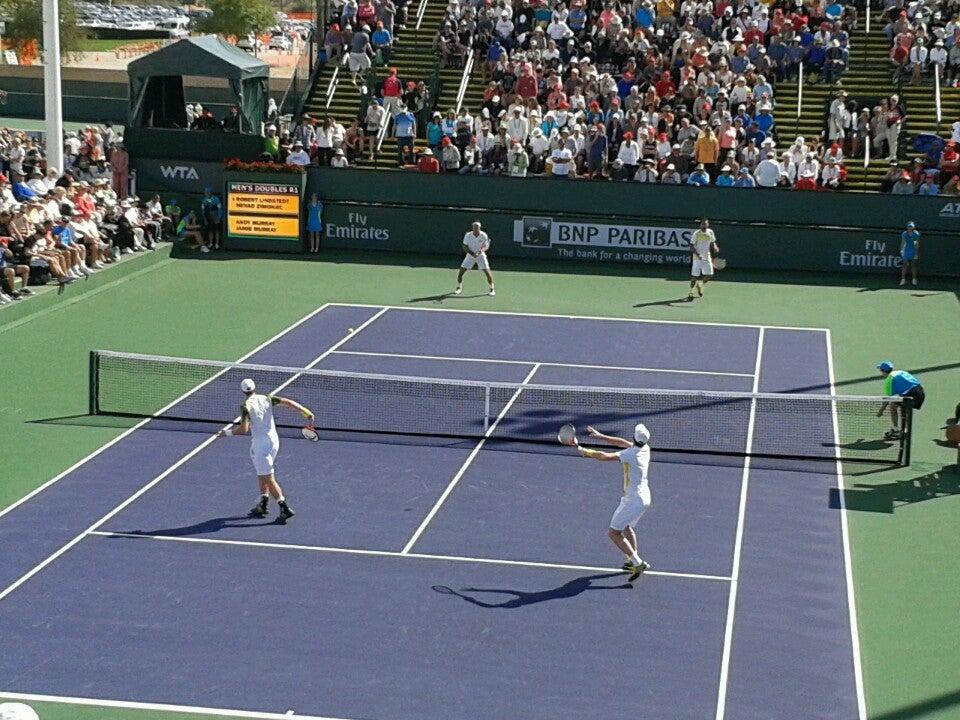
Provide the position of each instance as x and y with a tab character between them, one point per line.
159	707
847	555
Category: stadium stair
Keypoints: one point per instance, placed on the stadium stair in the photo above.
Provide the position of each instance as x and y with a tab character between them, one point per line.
413	56
868	79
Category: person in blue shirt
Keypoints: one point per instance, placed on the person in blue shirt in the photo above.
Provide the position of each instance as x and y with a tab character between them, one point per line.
382	42
928	187
764	119
211	215
315	222
404	130
22	192
745	179
816	57
909	252
74	253
435	132
725	179
898	383
699	176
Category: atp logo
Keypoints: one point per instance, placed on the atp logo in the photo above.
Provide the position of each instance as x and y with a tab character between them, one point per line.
950	210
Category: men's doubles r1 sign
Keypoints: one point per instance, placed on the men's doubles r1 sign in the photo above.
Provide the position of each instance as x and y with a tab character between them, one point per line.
264	213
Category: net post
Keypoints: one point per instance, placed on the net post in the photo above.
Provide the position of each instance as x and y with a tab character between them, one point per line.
906	432
486	408
93	383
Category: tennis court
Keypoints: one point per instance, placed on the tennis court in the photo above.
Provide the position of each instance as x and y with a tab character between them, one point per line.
441	564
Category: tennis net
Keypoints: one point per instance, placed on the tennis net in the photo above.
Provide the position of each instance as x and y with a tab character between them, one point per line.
784	425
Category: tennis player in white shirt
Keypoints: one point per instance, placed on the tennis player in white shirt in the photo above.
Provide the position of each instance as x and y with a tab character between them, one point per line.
703	247
635	458
256	417
475	246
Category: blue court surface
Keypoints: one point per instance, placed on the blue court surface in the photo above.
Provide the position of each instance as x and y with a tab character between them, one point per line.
447	579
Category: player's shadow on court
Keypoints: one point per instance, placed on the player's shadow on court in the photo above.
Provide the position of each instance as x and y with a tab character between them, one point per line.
205	527
445	296
886	497
518	598
681	302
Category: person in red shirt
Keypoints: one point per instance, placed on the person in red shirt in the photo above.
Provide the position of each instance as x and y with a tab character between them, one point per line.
806	182
428	163
665	87
83	203
949	159
392	90
526	85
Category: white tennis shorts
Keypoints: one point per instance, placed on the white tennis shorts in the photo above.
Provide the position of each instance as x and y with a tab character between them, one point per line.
359	62
480	261
263	456
701	267
628	512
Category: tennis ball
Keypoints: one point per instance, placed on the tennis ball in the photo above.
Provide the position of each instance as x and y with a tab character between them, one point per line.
350	331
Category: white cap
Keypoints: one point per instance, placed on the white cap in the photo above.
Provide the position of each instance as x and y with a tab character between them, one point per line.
248	385
17	711
641	434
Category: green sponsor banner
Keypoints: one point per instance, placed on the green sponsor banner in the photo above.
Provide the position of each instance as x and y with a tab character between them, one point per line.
633	241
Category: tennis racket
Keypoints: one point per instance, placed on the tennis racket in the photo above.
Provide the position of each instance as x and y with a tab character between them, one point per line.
567	435
719	263
309	433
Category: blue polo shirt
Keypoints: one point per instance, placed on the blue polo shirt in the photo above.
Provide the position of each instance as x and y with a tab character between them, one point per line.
909	239
899	382
65	233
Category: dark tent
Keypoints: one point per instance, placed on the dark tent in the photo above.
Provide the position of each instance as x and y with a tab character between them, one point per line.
156	82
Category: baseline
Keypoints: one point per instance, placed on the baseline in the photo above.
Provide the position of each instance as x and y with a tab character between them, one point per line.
583	317
395	554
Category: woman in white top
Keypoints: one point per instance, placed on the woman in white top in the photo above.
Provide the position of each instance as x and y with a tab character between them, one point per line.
635	459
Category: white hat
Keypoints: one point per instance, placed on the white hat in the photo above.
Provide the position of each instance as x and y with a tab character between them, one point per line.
641	434
248	385
17	711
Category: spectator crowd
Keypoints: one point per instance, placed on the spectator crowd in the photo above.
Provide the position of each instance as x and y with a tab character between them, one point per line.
644	91
64	224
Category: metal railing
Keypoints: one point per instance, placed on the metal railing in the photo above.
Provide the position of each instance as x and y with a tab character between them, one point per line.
936	95
796	120
381	134
332	85
421	10
464	79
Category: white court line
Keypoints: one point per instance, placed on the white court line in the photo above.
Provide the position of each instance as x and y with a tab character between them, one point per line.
160	707
466	463
738	542
125	433
494	361
406	555
159	478
847	560
582	317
